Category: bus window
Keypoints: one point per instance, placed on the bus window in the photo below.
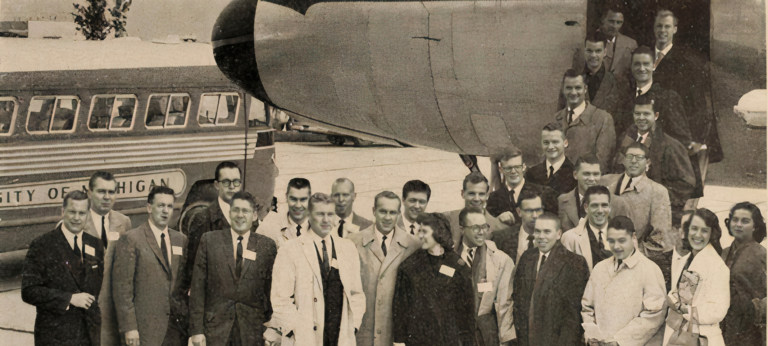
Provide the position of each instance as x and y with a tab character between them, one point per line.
48	114
169	110
7	115
112	112
218	109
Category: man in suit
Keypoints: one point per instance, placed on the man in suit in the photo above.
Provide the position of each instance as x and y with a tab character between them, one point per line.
588	129
62	278
625	301
282	228
588	238
343	195
645	202
602	89
517	239
148	281
228	182
491	277
107	225
231	281
416	194
548	285
475	194
557	170
571	204
317	292
382	247
668	159
618	48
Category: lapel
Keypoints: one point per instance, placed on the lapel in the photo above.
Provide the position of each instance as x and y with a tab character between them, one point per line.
178	241
68	256
548	274
400	223
253	242
573	213
225	246
606	86
656	151
114	223
396	249
310	253
369	238
586	247
586	116
150	237
90	227
217	217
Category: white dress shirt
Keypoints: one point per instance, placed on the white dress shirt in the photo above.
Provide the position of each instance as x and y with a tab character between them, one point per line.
465	254
541	254
349	227
577	111
380	237
645	136
518	189
97	222
292	226
225	209
556	165
157	232
407	225
246	236
71	238
645	89
319	243
626	183
665	51
522	243
598	235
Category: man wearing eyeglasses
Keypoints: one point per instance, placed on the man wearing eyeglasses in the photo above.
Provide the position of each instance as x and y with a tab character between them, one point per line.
519	238
667	158
475	193
492	278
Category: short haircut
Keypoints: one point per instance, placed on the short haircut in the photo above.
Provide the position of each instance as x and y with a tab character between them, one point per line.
596	37
509	153
622	222
319	198
548	215
665	13
441	228
76	195
226	164
554	127
636	145
590	159
644	100
615	7
711	220
527	195
342	181
416	186
386	194
298	184
101	175
246	196
475	178
757	219
571	73
466	211
159	190
643	50
596	190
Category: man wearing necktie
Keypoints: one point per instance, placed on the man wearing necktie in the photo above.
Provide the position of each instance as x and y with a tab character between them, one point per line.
557	170
415	195
382	248
618	47
343	195
588	238
231	281
625	298
148	281
294	223
515	240
570	205
62	278
548	285
108	225
317	294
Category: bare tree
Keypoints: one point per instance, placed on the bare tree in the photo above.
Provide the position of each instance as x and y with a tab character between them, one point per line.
92	19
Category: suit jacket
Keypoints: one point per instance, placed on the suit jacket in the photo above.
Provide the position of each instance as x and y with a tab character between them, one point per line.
547	306
434	301
648	206
591	133
52	274
297	292
494	306
358	224
562	181
207	220
120	224
670	165
500	201
457	232
275	226
747	282
618	57
576	240
144	297
218	298
379	274
507	241
610	95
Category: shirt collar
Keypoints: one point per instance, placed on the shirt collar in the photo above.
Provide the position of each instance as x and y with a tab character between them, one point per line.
635	180
380	237
645	136
644	90
556	165
97	220
225	209
347	220
245	236
156	230
578	110
630	261
665	50
465	251
316	238
71	237
291	224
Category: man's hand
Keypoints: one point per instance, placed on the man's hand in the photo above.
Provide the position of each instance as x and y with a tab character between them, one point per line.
272	337
82	300
507	217
132	338
198	340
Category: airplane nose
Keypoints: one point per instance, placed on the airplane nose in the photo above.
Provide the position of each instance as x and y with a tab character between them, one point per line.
232	41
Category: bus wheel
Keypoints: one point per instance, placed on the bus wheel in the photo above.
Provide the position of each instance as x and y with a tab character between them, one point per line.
361	143
336	140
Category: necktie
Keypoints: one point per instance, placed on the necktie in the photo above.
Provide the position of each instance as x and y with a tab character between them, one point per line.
239	260
298	230
530	241
551	171
103	232
639	138
629	183
639	92
164	250
341	228
326	265
579	207
384	245
412	228
618	265
570	116
77	250
658	60
543	259
470	257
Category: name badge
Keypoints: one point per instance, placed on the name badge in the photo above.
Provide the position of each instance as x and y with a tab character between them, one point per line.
112	236
176	250
446	270
334	263
89	250
484	287
248	254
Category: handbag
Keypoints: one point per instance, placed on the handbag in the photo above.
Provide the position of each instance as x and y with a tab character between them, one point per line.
681	336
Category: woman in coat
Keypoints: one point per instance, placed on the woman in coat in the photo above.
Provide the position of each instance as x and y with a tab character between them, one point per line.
745	322
711	297
434	302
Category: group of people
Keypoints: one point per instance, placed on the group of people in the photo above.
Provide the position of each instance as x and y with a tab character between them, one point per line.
600	244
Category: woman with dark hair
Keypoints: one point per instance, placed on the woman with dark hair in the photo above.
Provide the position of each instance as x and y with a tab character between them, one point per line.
745	322
700	293
434	302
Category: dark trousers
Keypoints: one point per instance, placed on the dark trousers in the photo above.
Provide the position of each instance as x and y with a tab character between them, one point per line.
333	293
234	335
175	335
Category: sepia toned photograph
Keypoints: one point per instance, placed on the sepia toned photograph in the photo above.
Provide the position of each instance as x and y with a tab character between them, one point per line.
383	173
